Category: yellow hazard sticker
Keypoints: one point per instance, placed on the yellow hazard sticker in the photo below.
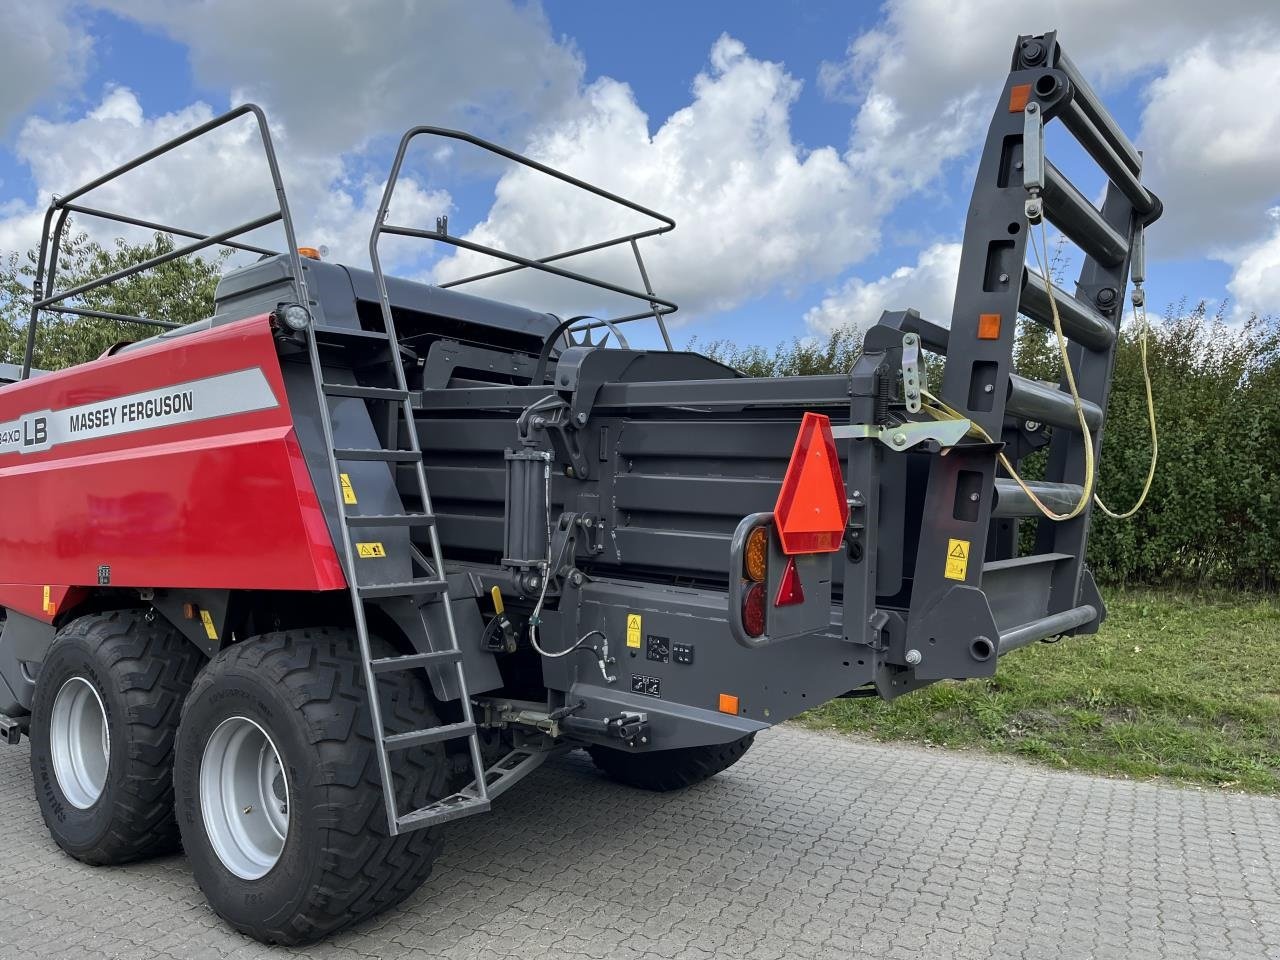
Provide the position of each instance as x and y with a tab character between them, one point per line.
633	630
47	600
348	491
957	559
210	630
367	551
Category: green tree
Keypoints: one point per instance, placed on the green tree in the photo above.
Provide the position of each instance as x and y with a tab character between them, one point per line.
180	291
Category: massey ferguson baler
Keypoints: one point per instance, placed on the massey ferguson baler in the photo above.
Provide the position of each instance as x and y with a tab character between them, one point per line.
218	541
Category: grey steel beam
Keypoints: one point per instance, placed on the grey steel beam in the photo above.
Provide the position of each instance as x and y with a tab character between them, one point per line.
1048	403
1012	500
1051	626
1069	210
1080	322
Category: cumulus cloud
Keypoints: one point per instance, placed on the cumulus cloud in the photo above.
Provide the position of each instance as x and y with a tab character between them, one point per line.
922	103
928	285
207	186
43	49
754	208
340	72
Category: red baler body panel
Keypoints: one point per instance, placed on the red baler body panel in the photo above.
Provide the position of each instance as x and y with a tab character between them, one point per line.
174	465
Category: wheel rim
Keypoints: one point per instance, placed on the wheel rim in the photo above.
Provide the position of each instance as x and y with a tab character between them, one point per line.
244	798
80	743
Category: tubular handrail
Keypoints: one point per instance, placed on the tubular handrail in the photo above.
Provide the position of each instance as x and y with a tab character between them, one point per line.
45	297
658	306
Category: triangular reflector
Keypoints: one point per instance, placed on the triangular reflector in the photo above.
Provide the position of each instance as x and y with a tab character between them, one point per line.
812	506
789	590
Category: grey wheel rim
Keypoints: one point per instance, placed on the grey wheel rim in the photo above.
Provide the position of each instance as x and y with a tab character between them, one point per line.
80	742
244	798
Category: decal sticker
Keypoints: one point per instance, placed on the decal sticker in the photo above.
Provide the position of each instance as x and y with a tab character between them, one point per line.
209	629
957	559
47	602
369	551
657	649
649	686
633	631
348	491
243	391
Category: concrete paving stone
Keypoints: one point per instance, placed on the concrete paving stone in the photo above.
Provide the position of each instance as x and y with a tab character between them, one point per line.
812	846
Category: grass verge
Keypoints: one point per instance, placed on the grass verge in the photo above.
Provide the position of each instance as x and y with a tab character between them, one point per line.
1178	685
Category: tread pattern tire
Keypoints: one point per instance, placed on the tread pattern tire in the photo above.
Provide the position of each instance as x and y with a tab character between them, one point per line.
664	770
143	669
345	866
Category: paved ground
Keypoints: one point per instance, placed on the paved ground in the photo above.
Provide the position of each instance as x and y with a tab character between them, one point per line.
811	847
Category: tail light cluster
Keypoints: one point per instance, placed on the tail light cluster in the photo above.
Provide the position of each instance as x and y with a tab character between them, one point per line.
755	570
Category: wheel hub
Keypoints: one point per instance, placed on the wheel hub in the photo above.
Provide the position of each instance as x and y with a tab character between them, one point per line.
244	798
80	742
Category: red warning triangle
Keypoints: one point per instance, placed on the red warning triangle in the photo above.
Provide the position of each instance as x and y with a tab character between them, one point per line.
790	592
812	506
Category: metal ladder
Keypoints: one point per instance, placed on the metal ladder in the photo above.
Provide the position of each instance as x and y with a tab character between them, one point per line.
427	577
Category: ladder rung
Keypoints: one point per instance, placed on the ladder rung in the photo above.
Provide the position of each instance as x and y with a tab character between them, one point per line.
402	589
364	393
353	333
416	738
391	456
414	660
392	520
442	811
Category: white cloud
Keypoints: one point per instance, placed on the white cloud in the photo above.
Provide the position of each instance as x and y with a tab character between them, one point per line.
339	72
1255	287
209	185
754	208
929	286
43	49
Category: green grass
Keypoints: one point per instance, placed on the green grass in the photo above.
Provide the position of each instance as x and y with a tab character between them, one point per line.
1182	686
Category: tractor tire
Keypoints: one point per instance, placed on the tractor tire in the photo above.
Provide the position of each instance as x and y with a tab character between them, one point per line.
103	723
664	770
277	729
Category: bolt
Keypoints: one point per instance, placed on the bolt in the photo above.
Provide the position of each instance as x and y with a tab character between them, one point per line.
1032	51
989	388
1032	425
575	578
1106	296
899	439
582	418
1004	278
539	422
1033	107
974	497
913	657
248	810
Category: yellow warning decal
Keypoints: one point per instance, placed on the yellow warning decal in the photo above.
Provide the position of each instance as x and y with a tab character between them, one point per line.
47	602
367	551
957	559
210	630
633	630
348	491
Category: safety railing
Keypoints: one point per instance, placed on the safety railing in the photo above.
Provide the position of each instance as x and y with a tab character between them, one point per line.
658	307
47	298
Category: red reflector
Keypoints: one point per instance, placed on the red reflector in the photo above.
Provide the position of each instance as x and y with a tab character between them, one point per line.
753	610
812	508
789	590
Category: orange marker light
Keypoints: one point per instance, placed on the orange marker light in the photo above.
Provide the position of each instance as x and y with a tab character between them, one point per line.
755	559
1018	97
728	703
988	326
311	253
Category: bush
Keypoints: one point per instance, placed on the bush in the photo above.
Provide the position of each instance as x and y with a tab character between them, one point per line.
1213	515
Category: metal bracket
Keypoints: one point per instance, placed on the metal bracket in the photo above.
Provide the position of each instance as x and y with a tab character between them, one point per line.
1033	161
904	436
911	371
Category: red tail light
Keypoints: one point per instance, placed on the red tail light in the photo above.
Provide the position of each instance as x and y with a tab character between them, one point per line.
753	610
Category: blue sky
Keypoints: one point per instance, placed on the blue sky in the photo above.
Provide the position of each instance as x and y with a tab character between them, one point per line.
817	155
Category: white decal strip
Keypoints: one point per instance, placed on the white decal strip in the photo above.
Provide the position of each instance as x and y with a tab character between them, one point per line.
243	391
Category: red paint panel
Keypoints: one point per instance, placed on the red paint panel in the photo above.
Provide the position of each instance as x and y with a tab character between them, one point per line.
224	502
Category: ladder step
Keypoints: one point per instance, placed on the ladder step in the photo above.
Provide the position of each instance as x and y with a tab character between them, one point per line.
442	811
415	660
364	393
391	456
350	333
416	738
392	520
369	591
